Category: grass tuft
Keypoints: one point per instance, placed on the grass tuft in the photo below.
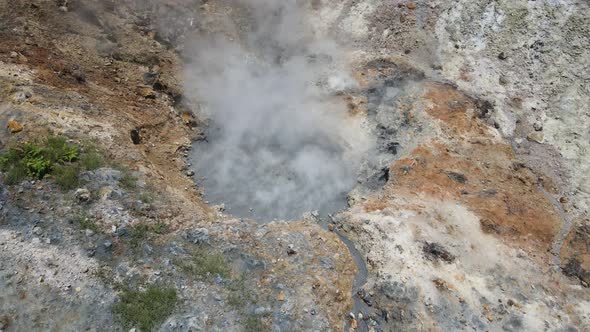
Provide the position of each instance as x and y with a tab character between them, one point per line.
138	234
128	181
239	295
205	264
145	310
66	176
254	323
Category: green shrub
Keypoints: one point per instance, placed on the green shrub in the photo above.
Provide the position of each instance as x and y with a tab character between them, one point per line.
57	150
52	156
35	161
145	310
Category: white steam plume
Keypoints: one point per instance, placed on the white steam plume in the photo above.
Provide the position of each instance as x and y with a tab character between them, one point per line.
279	141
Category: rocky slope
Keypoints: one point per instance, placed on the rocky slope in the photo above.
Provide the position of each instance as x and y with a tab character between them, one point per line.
473	215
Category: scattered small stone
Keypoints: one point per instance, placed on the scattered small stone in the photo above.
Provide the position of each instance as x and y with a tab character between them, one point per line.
281	297
537	137
502	56
82	195
291	250
313	312
435	251
457	177
538	126
107	244
197	235
79	75
190	173
411	5
15	127
331	227
121	232
146	92
262	311
503	80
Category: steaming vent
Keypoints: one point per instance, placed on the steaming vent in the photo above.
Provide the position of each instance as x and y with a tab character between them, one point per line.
280	141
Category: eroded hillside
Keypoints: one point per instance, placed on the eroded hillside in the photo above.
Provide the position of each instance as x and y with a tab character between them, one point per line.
467	122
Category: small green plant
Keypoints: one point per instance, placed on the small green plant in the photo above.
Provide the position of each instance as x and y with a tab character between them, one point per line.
91	160
206	264
239	294
86	222
35	161
145	310
66	176
146	197
138	234
15	175
160	228
253	323
57	150
128	181
51	156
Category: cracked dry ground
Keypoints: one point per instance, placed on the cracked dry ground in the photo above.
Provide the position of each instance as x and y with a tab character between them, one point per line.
463	236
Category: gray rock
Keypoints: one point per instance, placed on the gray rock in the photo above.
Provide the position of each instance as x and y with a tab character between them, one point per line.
102	177
82	195
537	137
260	311
122	232
291	250
197	235
184	323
